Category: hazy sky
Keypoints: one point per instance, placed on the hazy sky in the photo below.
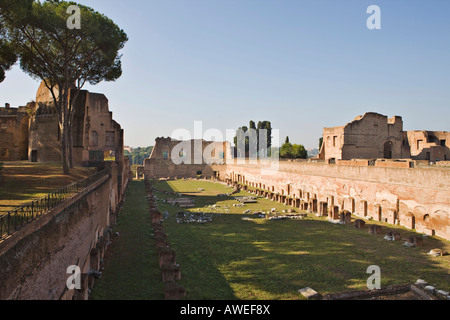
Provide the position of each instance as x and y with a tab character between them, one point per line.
301	64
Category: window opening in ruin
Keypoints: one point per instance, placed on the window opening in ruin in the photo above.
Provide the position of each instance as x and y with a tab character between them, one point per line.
110	139
94	139
388	150
419	144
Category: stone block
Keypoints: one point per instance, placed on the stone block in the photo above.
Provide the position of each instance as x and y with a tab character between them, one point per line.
359	224
375	229
173	291
421	283
430	289
418	241
170	273
443	293
309	293
166	256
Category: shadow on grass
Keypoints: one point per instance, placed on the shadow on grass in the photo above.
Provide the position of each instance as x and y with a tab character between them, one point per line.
262	259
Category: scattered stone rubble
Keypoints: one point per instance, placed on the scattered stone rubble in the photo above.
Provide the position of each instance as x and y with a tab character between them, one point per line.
196	217
431	289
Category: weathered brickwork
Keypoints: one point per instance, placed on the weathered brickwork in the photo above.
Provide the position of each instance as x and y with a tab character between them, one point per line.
96	136
375	136
34	260
414	198
198	153
14	133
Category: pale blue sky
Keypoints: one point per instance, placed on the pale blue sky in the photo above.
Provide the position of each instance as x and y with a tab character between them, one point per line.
301	64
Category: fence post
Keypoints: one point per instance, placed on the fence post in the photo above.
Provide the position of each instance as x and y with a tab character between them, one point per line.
8	222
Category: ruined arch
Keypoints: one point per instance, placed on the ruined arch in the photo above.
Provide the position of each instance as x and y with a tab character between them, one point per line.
378	212
419	212
409	221
363	208
349	204
314	205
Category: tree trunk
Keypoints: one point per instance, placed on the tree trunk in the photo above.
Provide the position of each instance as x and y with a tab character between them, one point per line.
65	134
64	150
70	147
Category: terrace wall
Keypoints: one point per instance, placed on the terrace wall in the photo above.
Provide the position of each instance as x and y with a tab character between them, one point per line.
35	259
416	198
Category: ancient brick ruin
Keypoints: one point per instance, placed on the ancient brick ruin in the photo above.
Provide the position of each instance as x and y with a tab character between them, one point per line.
161	165
14	133
77	231
32	132
382	179
375	136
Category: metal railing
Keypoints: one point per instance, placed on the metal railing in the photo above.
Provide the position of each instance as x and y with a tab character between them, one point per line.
14	220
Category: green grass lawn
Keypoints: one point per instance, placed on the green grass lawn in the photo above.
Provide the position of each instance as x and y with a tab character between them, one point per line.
131	262
25	181
236	258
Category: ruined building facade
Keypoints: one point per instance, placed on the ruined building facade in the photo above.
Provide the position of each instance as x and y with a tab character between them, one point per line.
371	188
195	156
375	136
96	136
32	132
14	133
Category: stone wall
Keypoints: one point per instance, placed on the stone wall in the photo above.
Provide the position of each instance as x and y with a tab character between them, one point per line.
429	145
13	133
96	136
416	198
369	136
376	136
44	137
198	154
34	260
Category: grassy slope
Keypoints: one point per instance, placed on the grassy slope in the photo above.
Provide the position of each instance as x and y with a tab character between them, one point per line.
25	181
